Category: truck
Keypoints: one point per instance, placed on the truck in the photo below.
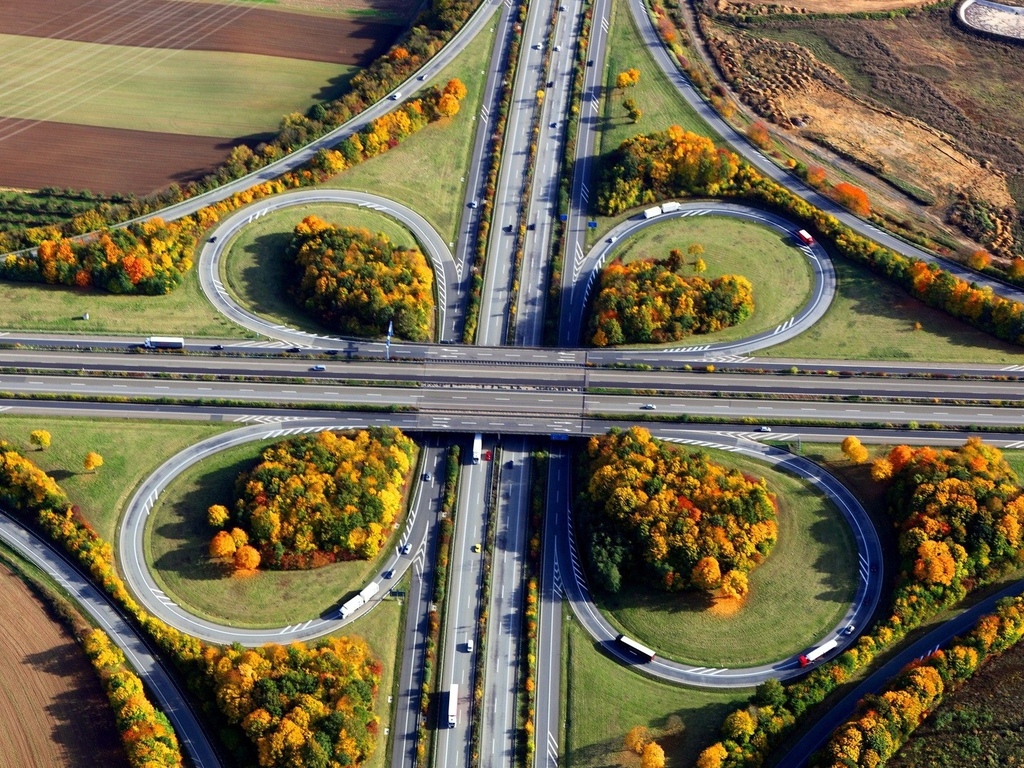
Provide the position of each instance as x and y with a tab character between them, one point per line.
816	653
670	206
164	342
478	442
453	705
650	213
352	605
369	591
805	237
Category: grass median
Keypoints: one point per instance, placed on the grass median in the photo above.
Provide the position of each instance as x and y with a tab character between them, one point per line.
131	451
797	595
606	699
257	271
176	545
427	171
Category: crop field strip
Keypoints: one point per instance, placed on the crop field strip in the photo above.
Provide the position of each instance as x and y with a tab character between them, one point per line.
198	87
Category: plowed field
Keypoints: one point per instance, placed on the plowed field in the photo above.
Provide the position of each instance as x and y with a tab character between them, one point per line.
240	28
53	711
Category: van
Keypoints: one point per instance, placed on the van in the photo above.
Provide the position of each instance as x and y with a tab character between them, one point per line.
469	645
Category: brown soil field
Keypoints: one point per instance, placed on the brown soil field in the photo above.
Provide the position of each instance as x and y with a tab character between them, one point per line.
54	713
239	28
394	9
106	160
815	6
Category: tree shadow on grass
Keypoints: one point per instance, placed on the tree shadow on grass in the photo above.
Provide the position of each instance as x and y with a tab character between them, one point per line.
60	475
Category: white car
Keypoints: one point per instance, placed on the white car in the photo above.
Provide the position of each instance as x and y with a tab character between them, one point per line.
648	407
536	46
396	96
763	429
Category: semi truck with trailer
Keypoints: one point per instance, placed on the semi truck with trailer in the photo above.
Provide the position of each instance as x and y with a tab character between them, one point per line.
816	653
164	342
453	705
478	444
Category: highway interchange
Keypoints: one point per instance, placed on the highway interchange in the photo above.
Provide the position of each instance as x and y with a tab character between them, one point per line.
514	393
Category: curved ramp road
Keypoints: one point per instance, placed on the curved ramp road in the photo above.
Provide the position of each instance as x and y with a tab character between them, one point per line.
569	573
742	146
446	271
158	680
139	579
822	272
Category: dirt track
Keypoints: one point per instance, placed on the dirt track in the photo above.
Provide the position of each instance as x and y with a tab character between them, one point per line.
199	26
53	711
104	159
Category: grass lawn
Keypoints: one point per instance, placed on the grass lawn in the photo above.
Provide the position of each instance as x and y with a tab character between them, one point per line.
256	270
657	98
427	170
779	272
183	312
382	629
606	699
873	319
800	592
197	93
176	545
131	451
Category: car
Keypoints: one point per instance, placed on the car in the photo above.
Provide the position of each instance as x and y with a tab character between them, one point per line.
396	96
294	350
554	124
421	78
649	407
532	227
561	7
475	548
406	548
469	646
590	63
509	464
536	46
508	228
849	630
318	368
213	239
426	477
551	83
331	352
558	47
613	238
217	347
389	573
764	429
473	204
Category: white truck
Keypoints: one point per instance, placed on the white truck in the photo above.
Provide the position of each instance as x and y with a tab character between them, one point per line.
670	206
369	591
478	442
650	213
453	705
352	605
164	342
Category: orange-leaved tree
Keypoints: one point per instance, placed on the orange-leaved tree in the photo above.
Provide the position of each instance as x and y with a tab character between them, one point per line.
854	451
40	438
92	461
852	197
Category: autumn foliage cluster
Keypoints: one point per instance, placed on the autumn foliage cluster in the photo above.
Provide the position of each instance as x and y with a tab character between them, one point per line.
146	733
958	513
647	301
674	163
148	258
356	282
300	706
674	520
277	706
884	723
316	499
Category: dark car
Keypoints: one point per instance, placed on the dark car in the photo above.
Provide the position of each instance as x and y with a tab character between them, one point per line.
331	352
213	239
551	83
388	574
294	350
217	347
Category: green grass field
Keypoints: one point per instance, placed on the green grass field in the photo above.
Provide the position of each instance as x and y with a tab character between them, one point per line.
872	319
657	98
426	171
382	629
183	312
779	272
800	592
256	270
199	93
176	548
131	451
606	699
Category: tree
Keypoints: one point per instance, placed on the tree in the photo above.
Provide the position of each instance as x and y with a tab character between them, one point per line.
735	584
637	738
695	249
222	545
758	134
700	266
456	88
853	198
979	260
627	79
247	559
653	756
92	461
707	574
739	725
448	105
217	515
816	176
854	451
40	438
713	757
